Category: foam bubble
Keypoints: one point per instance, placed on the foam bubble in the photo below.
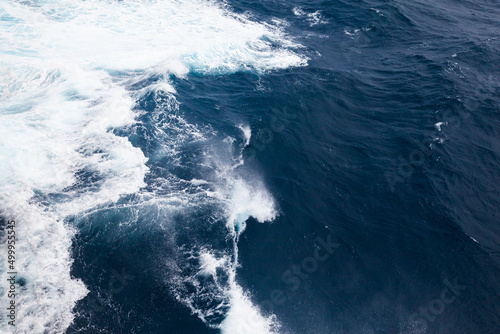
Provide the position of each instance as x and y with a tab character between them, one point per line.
218	294
209	263
59	152
247	133
244	201
245	318
48	294
438	125
219	300
314	18
163	36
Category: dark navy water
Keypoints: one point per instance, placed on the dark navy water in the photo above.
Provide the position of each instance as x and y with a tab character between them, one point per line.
386	145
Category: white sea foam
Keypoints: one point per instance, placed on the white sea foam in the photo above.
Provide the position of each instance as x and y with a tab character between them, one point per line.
438	125
63	131
209	263
240	199
314	18
244	201
242	316
45	302
351	32
163	36
247	133
66	78
245	318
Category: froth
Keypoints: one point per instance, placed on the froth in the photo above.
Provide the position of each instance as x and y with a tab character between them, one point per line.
49	294
60	152
245	201
245	318
163	36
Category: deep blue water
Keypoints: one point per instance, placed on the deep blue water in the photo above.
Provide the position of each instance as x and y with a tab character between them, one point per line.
386	145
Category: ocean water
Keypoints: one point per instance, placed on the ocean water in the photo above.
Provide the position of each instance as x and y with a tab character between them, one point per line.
198	166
